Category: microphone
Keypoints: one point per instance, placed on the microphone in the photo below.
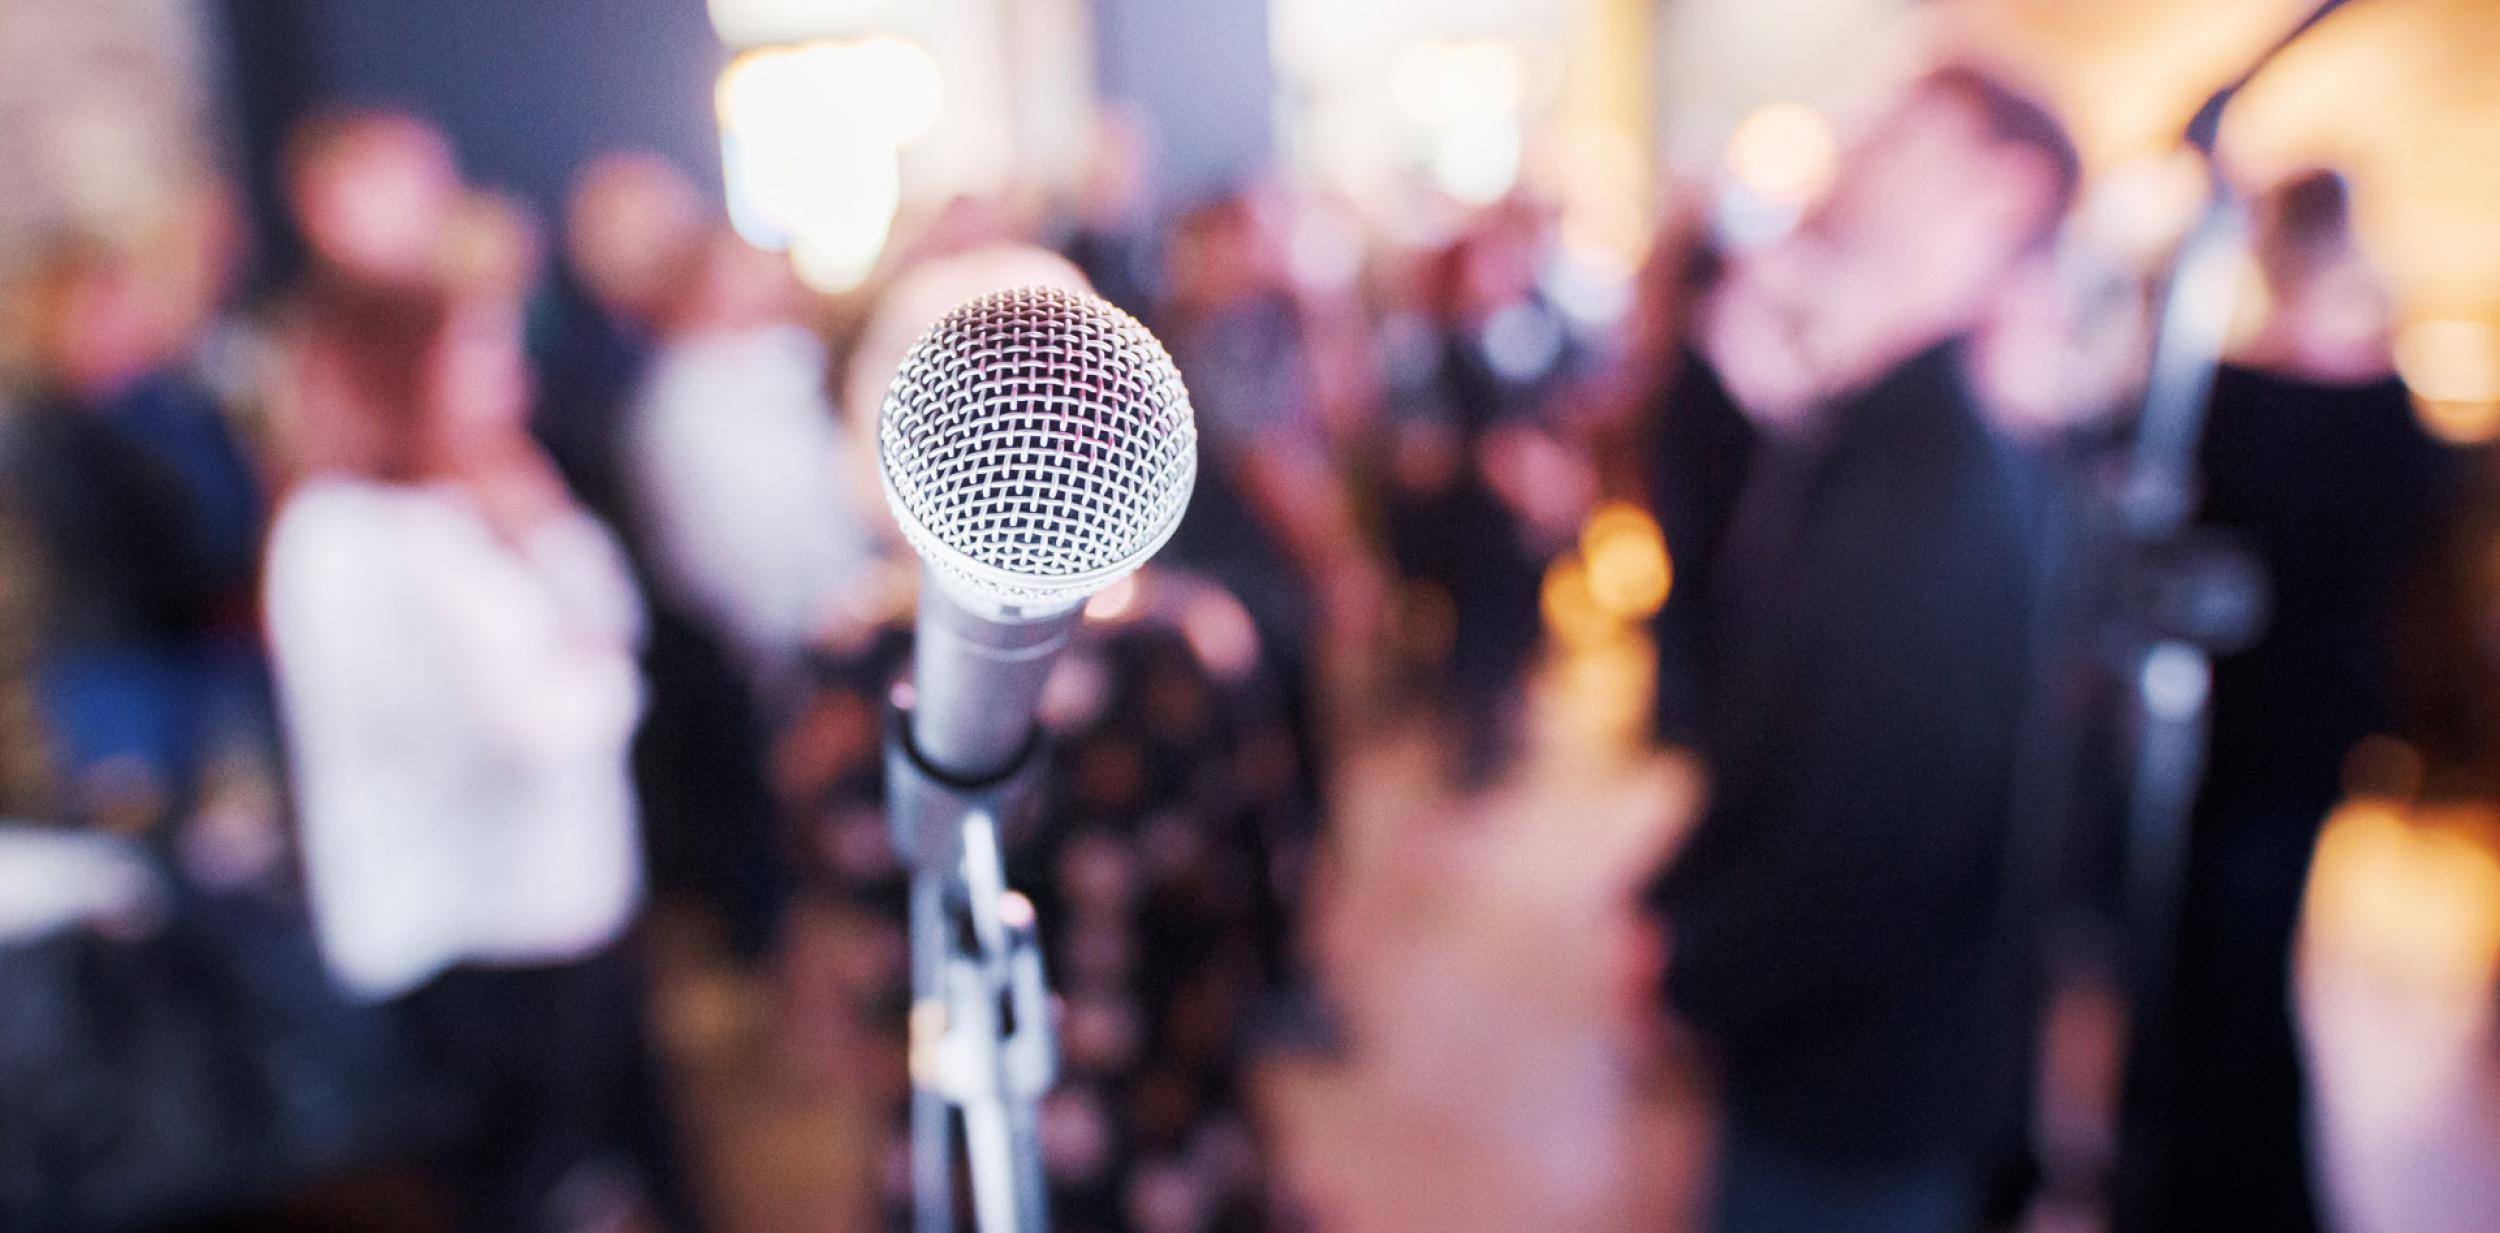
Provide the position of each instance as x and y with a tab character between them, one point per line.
1036	446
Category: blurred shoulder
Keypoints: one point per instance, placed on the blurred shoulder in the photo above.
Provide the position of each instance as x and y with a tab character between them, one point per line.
358	528
325	508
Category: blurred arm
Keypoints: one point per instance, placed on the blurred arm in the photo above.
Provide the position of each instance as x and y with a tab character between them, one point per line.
446	698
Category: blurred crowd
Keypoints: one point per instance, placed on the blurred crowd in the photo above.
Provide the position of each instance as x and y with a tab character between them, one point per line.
397	634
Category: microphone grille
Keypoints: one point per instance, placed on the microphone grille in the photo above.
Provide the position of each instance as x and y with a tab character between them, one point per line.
1036	445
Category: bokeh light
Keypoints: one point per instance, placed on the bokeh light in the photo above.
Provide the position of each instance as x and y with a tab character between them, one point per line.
1437	83
1629	573
2451	361
1467	97
2453	369
811	142
2140	209
1783	153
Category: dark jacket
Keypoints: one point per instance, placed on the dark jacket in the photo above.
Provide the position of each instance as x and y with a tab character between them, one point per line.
1837	917
144	518
1699	450
2344	498
145	512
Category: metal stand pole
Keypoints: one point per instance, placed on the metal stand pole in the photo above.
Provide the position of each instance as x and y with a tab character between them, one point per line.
981	1041
2204	598
932	1119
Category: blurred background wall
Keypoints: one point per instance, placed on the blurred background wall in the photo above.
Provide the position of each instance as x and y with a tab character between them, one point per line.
1201	74
831	119
526	90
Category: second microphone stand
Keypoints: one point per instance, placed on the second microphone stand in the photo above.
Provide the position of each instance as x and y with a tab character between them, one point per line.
982	1049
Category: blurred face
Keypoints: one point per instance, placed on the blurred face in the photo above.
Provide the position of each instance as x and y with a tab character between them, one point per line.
735	287
1497	269
1225	262
1912	244
481	382
628	219
2051	357
376	203
1758	335
1904	183
102	331
2336	305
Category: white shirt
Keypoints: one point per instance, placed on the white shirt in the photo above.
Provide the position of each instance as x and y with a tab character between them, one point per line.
459	710
739	467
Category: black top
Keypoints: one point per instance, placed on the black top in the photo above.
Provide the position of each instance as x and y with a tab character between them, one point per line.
1699	449
710	823
1836	918
2342	496
590	365
1244	367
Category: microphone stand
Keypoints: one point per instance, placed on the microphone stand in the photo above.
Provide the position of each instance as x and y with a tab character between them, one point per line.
2184	597
981	1044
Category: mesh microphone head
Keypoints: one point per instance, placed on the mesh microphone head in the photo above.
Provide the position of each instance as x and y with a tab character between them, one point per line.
1036	446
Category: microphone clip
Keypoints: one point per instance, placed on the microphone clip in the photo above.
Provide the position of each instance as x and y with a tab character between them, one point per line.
926	805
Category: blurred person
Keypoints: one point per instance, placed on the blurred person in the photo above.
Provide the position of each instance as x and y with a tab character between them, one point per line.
1646	350
2056	365
144	513
629	218
1328	260
1270	518
711	824
454	641
1114	238
1692	445
740	466
1484	486
371	192
1835	923
2312	456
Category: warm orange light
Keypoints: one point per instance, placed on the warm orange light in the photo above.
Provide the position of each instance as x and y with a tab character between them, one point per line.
1626	559
2451	361
1784	153
1571	613
2453	369
1619	575
2459	423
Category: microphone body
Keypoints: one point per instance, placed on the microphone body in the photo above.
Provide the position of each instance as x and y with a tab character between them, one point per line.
977	684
